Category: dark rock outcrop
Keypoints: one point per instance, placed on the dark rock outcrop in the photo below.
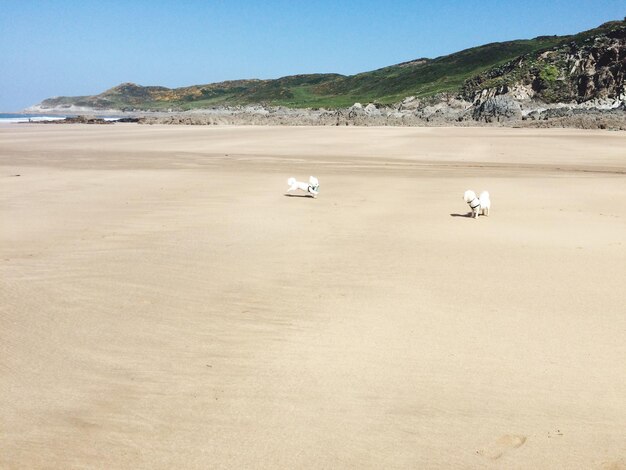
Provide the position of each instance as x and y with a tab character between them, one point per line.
79	120
497	109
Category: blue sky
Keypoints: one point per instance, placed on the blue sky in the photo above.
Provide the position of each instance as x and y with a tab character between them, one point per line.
50	48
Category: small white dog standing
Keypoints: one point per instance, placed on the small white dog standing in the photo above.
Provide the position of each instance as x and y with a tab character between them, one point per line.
479	205
312	187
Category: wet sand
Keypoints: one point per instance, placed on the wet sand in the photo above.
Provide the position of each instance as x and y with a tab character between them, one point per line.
164	305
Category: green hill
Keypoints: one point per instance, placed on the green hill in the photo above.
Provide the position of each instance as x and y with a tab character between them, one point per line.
461	72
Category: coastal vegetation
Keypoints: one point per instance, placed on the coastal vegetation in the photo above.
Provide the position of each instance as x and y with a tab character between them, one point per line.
543	63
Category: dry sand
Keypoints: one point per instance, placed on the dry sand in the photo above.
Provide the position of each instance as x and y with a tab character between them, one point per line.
163	305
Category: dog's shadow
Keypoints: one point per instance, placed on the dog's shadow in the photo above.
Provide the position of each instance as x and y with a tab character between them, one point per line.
466	215
298	195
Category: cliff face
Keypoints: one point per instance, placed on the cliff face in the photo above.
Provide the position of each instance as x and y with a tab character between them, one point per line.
580	71
598	69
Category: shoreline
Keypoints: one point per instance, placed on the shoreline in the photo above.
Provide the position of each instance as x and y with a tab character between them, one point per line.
562	117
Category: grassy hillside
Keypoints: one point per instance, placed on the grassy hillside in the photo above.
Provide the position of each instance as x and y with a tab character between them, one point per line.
428	77
422	77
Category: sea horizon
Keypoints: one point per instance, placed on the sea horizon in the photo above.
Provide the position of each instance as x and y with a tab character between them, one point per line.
17	118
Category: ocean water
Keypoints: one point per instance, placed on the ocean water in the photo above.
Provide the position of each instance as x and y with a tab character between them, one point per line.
8	118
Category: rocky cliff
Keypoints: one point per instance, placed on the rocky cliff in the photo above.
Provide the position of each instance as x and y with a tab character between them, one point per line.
577	72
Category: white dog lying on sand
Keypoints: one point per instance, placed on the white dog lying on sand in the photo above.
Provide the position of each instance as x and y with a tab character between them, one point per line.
479	205
312	187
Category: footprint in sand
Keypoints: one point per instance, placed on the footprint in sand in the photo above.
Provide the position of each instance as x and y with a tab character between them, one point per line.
505	443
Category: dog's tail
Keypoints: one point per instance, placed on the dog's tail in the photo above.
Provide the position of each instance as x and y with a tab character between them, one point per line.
291	181
484	196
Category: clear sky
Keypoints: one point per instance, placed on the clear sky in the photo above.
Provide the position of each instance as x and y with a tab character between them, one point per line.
83	47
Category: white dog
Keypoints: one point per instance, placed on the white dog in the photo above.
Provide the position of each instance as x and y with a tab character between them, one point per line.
479	205
312	187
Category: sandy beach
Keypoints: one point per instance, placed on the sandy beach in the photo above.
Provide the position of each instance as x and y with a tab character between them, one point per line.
164	305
